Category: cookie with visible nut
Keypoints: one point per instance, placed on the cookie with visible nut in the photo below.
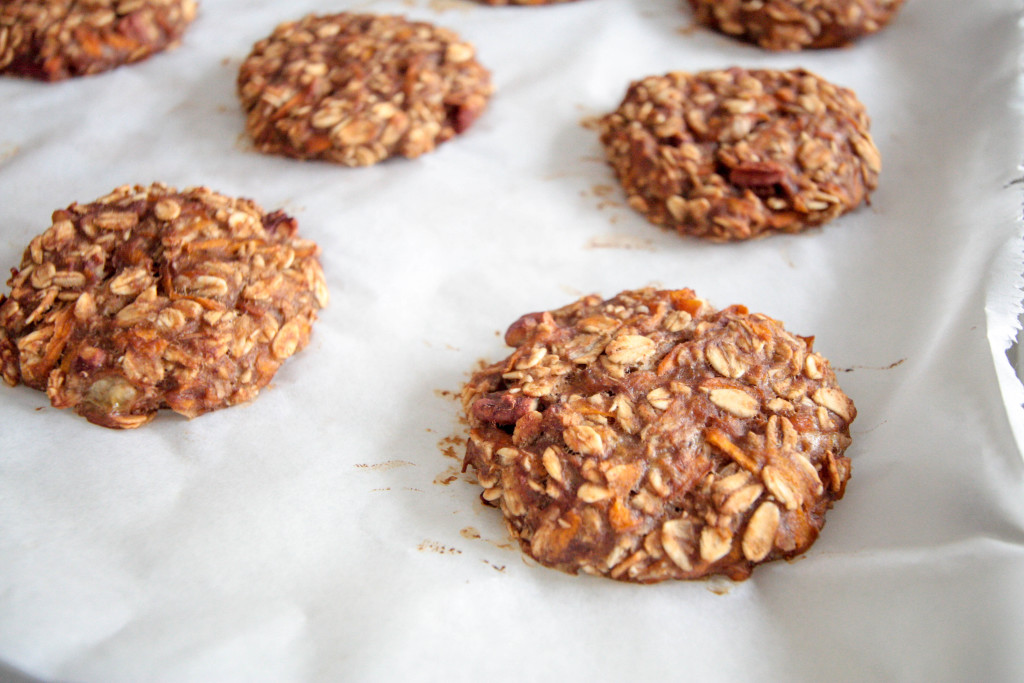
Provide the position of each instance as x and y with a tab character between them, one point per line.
736	154
152	298
652	437
356	89
53	40
789	25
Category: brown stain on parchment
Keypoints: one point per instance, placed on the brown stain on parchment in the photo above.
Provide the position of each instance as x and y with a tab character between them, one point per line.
8	151
452	446
385	466
448	476
689	29
473	534
890	366
607	195
439	548
620	242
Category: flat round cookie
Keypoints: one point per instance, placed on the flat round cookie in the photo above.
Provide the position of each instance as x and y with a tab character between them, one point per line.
737	154
52	40
355	89
796	24
651	437
152	298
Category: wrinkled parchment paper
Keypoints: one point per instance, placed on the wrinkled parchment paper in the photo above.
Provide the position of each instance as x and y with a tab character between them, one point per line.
323	532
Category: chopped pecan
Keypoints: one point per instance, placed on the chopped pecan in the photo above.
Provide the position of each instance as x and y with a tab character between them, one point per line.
760	176
524	328
502	408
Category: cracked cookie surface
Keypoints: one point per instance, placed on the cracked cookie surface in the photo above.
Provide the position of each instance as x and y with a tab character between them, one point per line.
789	25
650	437
736	154
52	40
355	89
152	298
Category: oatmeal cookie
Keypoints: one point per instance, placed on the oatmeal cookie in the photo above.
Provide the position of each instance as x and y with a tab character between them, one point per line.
355	89
52	40
652	437
796	24
151	298
736	154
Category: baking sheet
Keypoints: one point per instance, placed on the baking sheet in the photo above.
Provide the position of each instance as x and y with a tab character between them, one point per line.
323	532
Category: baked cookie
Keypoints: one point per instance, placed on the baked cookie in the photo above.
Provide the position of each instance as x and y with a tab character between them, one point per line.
796	24
52	40
358	88
651	437
151	298
737	154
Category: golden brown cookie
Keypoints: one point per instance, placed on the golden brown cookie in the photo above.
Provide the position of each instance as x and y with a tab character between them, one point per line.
151	298
796	24
52	40
737	154
652	437
355	89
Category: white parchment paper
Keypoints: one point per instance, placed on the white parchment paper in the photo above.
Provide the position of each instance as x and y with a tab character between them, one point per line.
323	532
